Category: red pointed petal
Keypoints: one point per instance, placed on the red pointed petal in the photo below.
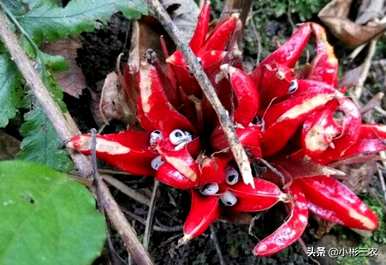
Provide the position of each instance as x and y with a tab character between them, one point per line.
301	167
202	27
325	140
332	195
168	175
291	230
371	140
262	197
325	65
222	34
155	105
285	117
296	108
271	143
323	213
247	97
288	53
213	170
249	137
275	82
211	60
307	86
128	151
185	79
204	211
142	119
182	161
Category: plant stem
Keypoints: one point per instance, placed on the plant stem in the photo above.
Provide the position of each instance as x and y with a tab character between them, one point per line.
65	128
227	125
150	216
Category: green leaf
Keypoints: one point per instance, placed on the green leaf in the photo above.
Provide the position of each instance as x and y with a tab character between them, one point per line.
41	143
11	94
47	21
55	63
46	218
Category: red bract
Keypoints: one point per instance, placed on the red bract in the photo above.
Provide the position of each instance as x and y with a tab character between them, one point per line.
296	119
324	139
286	117
292	228
329	194
129	151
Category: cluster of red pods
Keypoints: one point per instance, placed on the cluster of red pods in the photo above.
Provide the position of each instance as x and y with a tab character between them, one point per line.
295	117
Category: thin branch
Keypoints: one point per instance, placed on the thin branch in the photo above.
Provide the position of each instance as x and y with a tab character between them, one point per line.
374	102
213	236
382	180
194	65
138	197
33	80
365	70
65	130
150	216
157	227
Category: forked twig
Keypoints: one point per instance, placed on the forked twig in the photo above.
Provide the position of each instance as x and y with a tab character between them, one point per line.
195	67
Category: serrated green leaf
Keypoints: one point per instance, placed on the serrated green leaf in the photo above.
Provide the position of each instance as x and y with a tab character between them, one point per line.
46	218
41	143
11	94
49	21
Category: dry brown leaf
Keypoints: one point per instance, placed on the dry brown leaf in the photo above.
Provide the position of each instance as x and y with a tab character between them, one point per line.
334	16
113	103
9	146
72	80
184	14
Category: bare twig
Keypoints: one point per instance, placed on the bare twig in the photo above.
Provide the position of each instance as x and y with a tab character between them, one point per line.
157	227
62	127
138	197
213	236
289	16
357	91
150	216
258	40
374	102
382	180
124	229
274	170
194	65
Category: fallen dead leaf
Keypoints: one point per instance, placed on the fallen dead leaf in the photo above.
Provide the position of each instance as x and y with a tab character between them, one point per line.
184	14
9	146
113	103
72	80
334	16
